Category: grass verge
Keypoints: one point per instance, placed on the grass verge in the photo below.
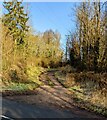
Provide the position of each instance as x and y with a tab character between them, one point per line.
85	94
30	83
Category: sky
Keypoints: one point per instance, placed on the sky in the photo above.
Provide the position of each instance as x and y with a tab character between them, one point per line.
56	16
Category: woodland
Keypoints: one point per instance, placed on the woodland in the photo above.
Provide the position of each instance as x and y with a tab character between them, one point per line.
82	66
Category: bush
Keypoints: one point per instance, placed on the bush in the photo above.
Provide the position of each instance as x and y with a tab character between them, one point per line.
68	69
33	73
17	74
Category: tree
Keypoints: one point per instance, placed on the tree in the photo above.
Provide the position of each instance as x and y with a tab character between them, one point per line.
44	48
90	36
16	20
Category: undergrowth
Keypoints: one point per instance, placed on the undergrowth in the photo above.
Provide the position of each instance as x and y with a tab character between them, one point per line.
16	79
89	89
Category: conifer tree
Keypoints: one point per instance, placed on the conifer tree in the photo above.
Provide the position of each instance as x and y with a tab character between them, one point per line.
16	20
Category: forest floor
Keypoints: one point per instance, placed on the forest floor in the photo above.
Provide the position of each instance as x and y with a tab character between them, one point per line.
53	95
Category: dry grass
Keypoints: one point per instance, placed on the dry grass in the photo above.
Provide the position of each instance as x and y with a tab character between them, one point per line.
87	87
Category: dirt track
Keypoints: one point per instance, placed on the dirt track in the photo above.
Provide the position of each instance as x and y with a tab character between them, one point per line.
56	97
